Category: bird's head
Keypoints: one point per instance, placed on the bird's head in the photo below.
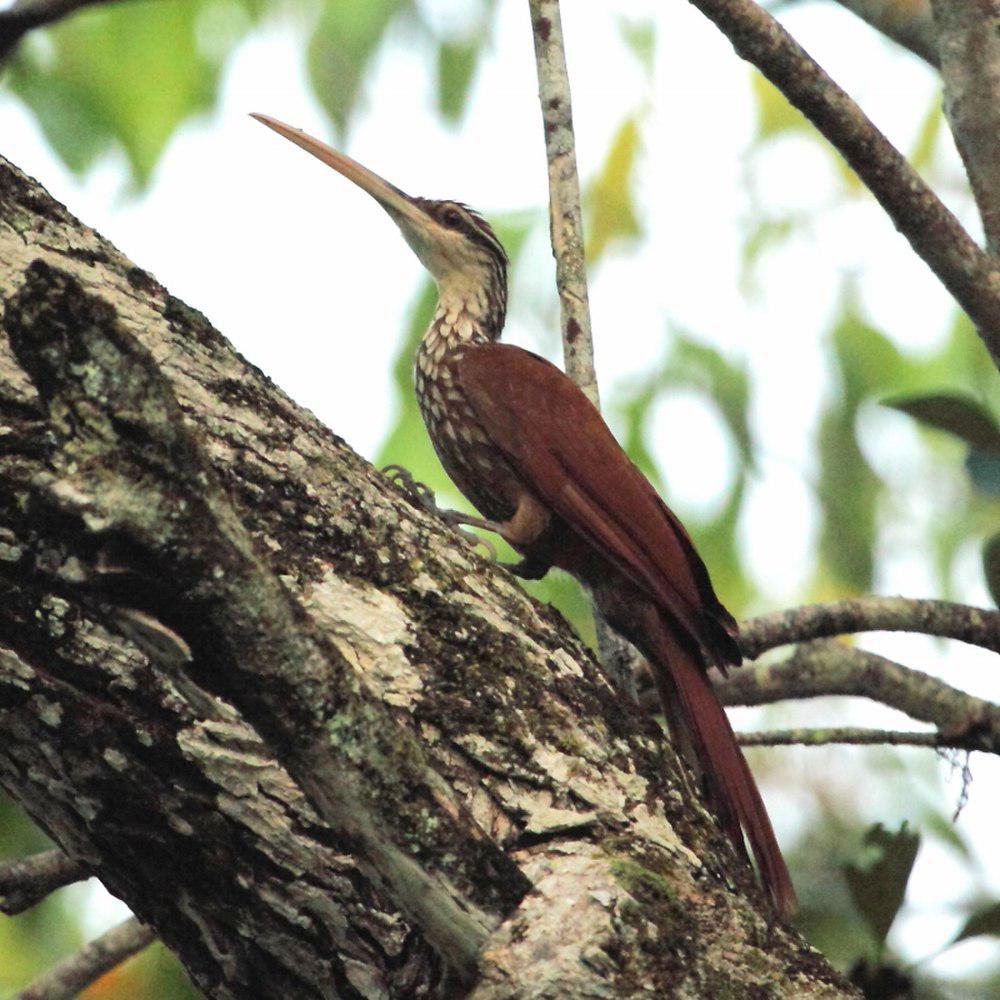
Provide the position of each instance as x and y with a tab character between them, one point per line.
454	243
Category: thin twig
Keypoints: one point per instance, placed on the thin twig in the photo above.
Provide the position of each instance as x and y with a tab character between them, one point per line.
26	15
74	974
27	881
827	667
970	274
968	33
566	223
977	626
565	214
845	735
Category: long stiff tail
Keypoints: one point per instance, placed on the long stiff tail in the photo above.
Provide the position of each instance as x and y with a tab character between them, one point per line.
690	701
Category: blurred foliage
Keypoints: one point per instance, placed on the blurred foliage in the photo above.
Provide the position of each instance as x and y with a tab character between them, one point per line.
610	215
878	886
124	77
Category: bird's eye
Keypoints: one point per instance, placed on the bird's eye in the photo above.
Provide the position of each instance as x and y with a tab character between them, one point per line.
452	217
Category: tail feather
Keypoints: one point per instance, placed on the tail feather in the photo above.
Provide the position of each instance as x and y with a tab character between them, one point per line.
691	702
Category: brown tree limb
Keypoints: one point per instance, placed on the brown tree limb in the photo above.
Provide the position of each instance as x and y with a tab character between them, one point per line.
968	35
978	626
23	16
848	736
74	974
971	275
566	233
276	577
24	882
828	667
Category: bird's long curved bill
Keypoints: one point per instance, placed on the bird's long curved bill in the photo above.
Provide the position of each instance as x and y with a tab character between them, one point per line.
398	204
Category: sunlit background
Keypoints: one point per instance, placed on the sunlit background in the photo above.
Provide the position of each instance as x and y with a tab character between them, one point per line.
753	309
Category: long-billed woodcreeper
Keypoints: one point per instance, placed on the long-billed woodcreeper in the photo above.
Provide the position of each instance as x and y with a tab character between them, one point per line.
532	453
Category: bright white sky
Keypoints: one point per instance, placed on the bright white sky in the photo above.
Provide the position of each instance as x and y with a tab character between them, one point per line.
311	282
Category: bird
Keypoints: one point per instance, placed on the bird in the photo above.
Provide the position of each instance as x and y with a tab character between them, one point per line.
530	451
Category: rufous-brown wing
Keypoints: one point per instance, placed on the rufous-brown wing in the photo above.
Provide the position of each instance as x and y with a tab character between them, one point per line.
557	441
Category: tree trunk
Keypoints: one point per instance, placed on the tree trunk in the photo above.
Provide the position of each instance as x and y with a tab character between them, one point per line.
295	723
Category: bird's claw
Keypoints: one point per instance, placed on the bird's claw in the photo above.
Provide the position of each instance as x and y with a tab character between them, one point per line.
417	492
422	496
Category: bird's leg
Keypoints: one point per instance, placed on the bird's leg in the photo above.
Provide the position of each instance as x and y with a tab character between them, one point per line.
421	495
531	567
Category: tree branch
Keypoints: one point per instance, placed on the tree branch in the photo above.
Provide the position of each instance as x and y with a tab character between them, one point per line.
826	667
74	974
850	736
25	15
565	214
970	274
968	35
566	232
978	626
25	882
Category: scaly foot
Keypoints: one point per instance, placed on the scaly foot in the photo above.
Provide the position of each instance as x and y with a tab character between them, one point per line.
421	495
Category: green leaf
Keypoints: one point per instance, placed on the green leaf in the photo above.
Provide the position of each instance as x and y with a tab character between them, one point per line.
983	922
991	567
611	215
125	75
345	39
456	67
955	413
764	234
878	889
640	37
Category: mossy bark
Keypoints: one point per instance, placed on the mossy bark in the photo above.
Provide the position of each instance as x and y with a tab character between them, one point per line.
307	734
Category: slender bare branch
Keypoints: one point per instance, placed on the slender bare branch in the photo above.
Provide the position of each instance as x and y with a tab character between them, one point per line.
977	626
971	275
968	34
828	667
908	24
27	881
74	974
845	735
565	214
26	15
566	226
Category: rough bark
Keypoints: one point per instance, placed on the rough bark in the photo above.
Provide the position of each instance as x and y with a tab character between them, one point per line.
203	593
969	42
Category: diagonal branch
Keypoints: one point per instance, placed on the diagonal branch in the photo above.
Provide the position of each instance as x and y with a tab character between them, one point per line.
827	667
26	15
969	42
970	274
74	974
171	526
946	619
25	882
146	468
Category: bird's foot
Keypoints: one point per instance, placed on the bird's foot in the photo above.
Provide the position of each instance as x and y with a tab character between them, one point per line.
418	493
422	496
